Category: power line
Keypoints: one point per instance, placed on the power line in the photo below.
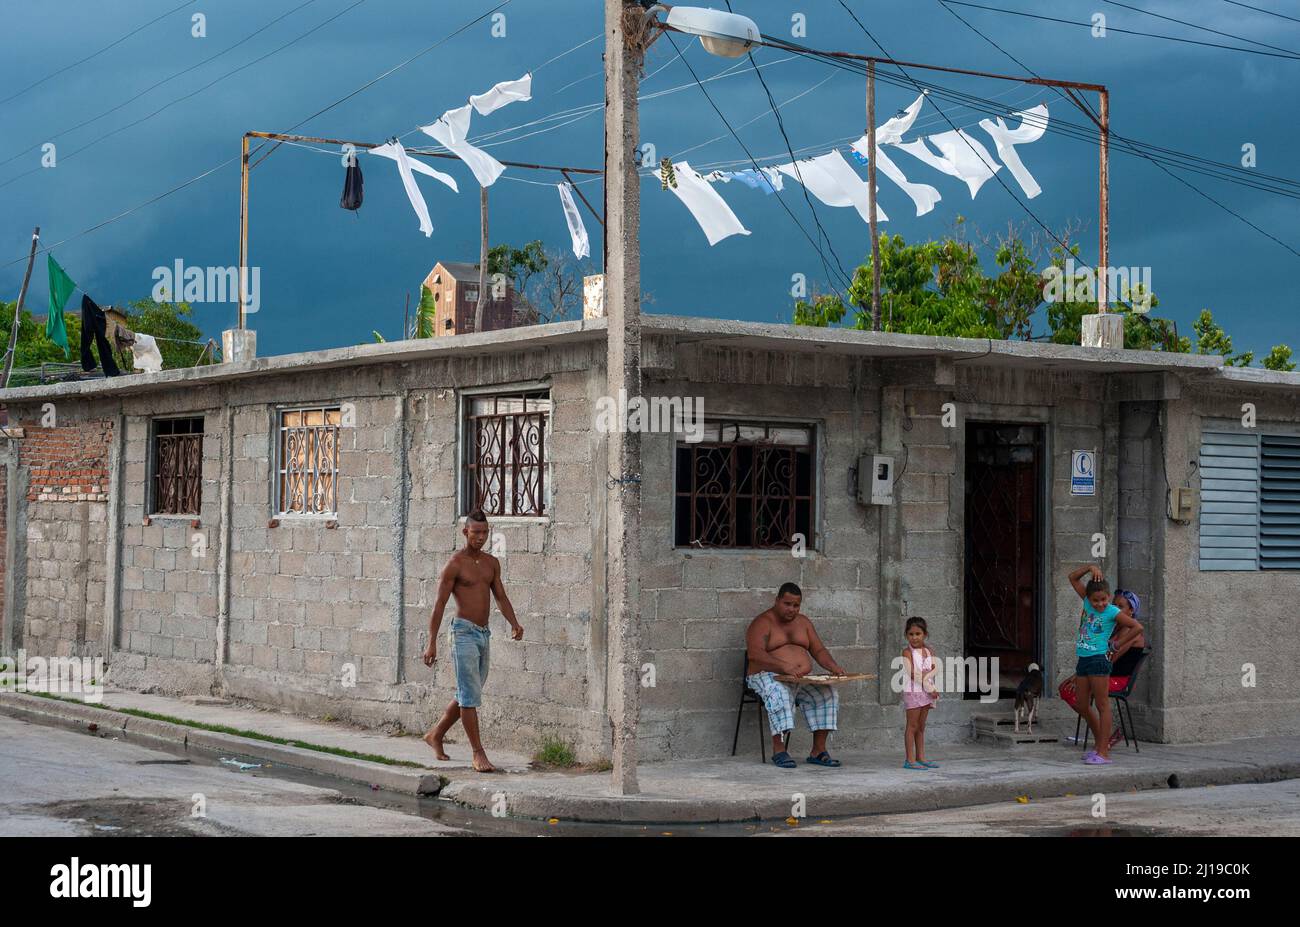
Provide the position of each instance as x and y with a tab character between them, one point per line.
784	205
1191	163
157	84
1109	28
166	193
112	44
372	82
193	93
995	175
128	212
1137	150
1258	9
1183	22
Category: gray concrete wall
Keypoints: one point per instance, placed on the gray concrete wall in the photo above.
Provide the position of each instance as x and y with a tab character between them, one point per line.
331	615
860	584
1214	623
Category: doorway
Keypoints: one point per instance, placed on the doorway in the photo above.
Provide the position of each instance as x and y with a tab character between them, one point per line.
1004	519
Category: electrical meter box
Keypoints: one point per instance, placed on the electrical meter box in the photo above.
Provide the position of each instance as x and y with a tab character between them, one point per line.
876	480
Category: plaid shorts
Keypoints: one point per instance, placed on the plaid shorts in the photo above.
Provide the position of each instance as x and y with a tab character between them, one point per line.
820	704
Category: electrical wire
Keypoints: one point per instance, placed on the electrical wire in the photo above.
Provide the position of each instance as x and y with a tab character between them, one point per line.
193	93
127	212
847	280
370	83
1183	22
1150	35
156	84
1138	151
112	44
1258	9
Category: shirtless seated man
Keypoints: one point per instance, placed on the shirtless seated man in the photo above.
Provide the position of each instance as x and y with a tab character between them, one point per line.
781	640
471	576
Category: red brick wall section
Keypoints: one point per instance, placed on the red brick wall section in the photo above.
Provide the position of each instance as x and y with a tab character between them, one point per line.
68	463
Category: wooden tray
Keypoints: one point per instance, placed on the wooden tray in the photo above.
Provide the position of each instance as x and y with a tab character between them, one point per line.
823	680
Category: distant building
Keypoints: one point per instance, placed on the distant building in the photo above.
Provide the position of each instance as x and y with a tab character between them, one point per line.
454	286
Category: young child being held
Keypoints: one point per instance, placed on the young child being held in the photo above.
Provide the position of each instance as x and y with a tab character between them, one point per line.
1098	620
919	692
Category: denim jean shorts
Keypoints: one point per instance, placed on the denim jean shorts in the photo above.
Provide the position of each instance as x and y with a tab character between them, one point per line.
1096	665
469	644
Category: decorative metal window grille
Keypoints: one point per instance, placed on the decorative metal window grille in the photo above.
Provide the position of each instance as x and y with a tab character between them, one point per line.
506	437
177	466
746	485
308	461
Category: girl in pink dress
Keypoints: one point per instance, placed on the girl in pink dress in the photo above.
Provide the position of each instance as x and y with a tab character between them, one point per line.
919	692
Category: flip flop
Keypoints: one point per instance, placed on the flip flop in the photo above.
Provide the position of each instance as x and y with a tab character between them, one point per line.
784	760
929	765
1096	759
822	759
913	766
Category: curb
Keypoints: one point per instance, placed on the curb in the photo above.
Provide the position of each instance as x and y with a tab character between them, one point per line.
642	809
396	779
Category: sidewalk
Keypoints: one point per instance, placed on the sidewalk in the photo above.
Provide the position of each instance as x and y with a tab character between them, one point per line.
403	764
697	791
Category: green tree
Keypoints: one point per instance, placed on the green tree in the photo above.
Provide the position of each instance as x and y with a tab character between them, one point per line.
1279	358
1212	339
425	313
519	264
941	288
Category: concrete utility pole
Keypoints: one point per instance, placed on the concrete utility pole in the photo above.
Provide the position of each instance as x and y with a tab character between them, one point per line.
482	259
624	53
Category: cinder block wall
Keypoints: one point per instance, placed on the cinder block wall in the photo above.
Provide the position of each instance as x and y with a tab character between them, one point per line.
696	604
1214	623
66	471
330	615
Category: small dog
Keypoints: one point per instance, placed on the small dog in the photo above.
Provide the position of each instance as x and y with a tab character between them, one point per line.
1028	693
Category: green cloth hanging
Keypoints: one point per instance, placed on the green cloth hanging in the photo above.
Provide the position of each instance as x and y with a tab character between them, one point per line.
61	287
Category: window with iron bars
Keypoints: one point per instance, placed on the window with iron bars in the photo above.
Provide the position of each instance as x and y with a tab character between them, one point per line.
307	461
177	466
506	437
746	485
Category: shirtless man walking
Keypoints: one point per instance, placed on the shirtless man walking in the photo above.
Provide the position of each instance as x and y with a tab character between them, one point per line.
470	576
782	640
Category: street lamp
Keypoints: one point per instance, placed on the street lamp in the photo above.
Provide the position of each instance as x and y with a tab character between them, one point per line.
728	35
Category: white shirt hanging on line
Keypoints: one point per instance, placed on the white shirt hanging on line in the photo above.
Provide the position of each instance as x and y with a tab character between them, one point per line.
709	209
830	178
405	165
1033	123
503	94
577	231
450	131
923	195
962	156
893	130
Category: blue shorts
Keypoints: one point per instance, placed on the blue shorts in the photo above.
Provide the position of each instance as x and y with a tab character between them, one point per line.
1096	665
469	644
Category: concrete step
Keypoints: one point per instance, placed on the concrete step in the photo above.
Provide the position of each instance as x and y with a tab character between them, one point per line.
1000	730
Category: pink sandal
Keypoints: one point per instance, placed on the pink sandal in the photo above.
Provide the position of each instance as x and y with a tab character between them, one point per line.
1096	759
